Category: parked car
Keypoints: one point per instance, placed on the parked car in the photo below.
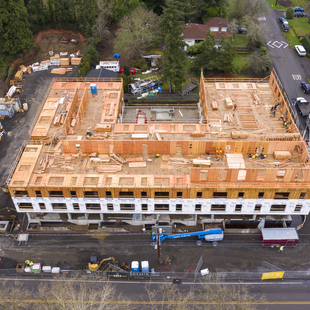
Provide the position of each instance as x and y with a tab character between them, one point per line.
137	91
282	20
154	84
300	14
298	9
133	70
305	86
300	50
285	26
241	30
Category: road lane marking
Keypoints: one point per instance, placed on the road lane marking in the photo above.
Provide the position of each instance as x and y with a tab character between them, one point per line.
269	44
284	43
296	77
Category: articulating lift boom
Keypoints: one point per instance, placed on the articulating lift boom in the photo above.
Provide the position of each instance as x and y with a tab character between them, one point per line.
212	234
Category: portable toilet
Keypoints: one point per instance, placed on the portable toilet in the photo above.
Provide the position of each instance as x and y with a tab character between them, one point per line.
145	266
93	88
135	266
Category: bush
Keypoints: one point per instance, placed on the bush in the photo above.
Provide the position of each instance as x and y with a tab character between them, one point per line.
84	66
91	50
263	50
126	70
306	43
139	63
290	13
126	81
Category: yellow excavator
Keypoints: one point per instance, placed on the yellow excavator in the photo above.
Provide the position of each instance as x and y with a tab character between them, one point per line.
94	264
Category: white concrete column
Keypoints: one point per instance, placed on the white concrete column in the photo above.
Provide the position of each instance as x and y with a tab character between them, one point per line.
69	216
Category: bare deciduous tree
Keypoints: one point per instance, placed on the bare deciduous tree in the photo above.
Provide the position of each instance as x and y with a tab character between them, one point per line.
137	32
212	294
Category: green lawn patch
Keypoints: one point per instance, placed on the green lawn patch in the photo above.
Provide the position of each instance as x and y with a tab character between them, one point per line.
240	40
291	38
239	63
300	25
278	7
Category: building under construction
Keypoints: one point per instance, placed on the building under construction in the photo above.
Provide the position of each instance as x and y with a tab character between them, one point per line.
93	159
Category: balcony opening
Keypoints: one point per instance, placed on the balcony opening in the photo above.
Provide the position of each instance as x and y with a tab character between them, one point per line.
127	206
110	206
298	208
218	207
21	194
161	207
281	195
260	195
178	207
161	195
144	207
56	194
240	194
179	194
38	193
220	195
199	195
73	194
277	208
127	195
91	194
25	205
257	208
42	206
59	206
93	206
76	206
108	194
302	195
238	208
144	195
198	207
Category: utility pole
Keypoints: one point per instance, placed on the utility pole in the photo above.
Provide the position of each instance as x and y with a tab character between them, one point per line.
157	245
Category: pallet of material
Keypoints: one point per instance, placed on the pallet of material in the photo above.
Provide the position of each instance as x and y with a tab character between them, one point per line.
214	105
239	135
166	167
57	120
282	154
59	71
64	61
75	61
197	135
109	168
202	162
45	63
179	160
228	102
134	159
103	127
19	75
138	136
235	161
137	164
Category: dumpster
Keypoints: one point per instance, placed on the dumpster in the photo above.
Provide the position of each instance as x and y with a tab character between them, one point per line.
278	237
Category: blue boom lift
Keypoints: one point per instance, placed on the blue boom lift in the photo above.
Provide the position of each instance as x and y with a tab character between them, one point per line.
212	235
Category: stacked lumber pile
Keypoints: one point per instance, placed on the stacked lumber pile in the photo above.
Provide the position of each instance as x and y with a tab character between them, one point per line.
137	159
103	127
64	61
75	61
118	158
109	168
282	154
178	161
239	134
214	105
201	162
235	161
137	164
19	75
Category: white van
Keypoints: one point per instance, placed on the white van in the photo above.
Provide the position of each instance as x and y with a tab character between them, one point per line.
110	65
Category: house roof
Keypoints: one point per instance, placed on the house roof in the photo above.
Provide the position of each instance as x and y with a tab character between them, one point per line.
198	31
101	73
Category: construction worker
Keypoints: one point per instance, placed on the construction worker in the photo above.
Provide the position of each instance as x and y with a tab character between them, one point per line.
281	248
235	107
28	262
282	117
284	123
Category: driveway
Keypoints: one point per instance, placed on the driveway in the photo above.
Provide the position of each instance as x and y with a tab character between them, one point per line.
290	68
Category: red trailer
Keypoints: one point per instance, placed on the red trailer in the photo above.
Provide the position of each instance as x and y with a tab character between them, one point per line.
278	237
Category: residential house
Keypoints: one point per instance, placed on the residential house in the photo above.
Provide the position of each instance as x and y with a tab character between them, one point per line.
195	33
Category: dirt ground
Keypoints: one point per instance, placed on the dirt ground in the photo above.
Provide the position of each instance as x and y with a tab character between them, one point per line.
51	42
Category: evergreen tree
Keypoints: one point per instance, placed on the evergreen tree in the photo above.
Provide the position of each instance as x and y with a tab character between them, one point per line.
36	16
15	33
225	54
174	57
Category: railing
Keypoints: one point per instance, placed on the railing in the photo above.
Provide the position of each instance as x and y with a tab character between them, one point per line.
169	276
234	80
166	97
193	121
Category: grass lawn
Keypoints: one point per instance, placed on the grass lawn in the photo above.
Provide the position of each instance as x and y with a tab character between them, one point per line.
291	38
239	63
300	25
278	7
240	40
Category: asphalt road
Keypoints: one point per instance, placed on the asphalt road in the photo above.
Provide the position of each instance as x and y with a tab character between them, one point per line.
290	68
276	295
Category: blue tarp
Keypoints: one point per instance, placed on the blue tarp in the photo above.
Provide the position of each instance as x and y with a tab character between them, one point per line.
117	56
